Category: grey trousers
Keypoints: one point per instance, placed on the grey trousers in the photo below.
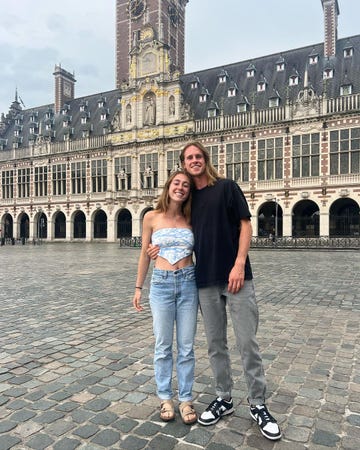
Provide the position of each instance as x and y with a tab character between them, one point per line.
245	318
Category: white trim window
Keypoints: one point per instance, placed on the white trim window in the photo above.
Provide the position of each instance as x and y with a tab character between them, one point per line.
346	89
261	86
293	80
328	74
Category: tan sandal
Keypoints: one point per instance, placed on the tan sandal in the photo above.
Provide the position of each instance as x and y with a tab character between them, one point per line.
167	410
188	413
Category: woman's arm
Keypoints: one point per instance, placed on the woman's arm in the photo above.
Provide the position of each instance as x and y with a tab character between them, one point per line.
144	260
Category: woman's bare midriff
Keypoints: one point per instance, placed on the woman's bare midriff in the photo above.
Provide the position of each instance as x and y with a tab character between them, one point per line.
163	264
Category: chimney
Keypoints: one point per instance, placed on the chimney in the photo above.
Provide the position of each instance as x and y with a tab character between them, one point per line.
331	12
64	87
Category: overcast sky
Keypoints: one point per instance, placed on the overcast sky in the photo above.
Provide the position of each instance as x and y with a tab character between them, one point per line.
80	35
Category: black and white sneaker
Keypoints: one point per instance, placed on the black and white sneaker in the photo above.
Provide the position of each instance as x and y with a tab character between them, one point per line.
214	412
267	423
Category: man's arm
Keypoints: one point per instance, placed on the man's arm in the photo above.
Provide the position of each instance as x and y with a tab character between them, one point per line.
237	274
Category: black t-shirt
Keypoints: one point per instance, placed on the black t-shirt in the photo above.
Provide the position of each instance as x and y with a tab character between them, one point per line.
215	218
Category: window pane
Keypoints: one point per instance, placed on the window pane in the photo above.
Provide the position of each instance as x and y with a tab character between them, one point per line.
344	163
306	166
314	166
355	162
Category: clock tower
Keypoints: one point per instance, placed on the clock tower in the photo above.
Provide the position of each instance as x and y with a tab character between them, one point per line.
141	22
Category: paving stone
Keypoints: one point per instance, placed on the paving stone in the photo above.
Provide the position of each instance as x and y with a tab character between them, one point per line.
7	425
325	438
8	441
125	425
133	443
22	415
106	438
86	431
98	404
66	444
40	441
104	418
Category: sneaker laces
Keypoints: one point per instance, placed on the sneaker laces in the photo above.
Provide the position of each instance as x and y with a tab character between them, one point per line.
266	417
214	406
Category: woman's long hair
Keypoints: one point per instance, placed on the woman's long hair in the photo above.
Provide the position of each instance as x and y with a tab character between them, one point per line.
164	200
210	171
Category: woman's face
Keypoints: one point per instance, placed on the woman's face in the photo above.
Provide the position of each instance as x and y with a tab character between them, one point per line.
179	188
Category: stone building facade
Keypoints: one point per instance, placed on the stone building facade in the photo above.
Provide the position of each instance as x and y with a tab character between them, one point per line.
285	126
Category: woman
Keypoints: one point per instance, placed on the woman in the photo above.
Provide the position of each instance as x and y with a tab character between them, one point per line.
173	293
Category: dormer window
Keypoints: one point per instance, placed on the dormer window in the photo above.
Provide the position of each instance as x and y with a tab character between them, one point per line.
83	119
48	127
241	107
348	52
280	67
261	86
250	73
82	108
65	123
346	89
101	102
328	73
313	59
33	117
16	133
212	113
32	130
194	85
232	92
202	98
222	79
294	80
103	116
274	102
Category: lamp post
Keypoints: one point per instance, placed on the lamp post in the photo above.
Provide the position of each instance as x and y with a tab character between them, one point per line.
276	217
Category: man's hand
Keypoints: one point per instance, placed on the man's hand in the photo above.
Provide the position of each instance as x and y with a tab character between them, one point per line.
236	279
153	251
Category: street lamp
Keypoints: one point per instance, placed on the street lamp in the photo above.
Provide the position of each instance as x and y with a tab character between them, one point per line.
276	217
270	198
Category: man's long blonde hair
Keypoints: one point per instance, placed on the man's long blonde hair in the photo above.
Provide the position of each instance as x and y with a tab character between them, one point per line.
164	200
210	171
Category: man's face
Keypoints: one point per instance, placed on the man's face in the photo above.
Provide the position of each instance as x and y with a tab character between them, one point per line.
194	161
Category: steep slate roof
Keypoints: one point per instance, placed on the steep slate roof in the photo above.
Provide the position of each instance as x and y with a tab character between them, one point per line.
43	115
346	71
296	62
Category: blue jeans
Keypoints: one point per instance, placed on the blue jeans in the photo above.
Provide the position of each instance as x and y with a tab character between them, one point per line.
174	299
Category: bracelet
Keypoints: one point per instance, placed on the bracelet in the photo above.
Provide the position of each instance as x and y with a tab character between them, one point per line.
138	287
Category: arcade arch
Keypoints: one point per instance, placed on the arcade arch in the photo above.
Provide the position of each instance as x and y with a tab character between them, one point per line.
124	224
344	218
305	219
100	224
79	227
59	225
270	219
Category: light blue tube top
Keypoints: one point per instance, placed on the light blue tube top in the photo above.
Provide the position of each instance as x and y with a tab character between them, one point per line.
174	243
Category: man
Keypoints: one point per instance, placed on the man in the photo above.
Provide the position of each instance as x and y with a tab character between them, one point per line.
221	223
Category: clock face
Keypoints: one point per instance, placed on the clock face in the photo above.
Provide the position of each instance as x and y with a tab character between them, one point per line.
173	14
136	8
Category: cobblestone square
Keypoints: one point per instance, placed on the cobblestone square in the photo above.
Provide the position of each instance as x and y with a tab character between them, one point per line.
76	359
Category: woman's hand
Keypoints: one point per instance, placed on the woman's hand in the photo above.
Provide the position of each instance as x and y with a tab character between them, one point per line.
137	301
153	251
